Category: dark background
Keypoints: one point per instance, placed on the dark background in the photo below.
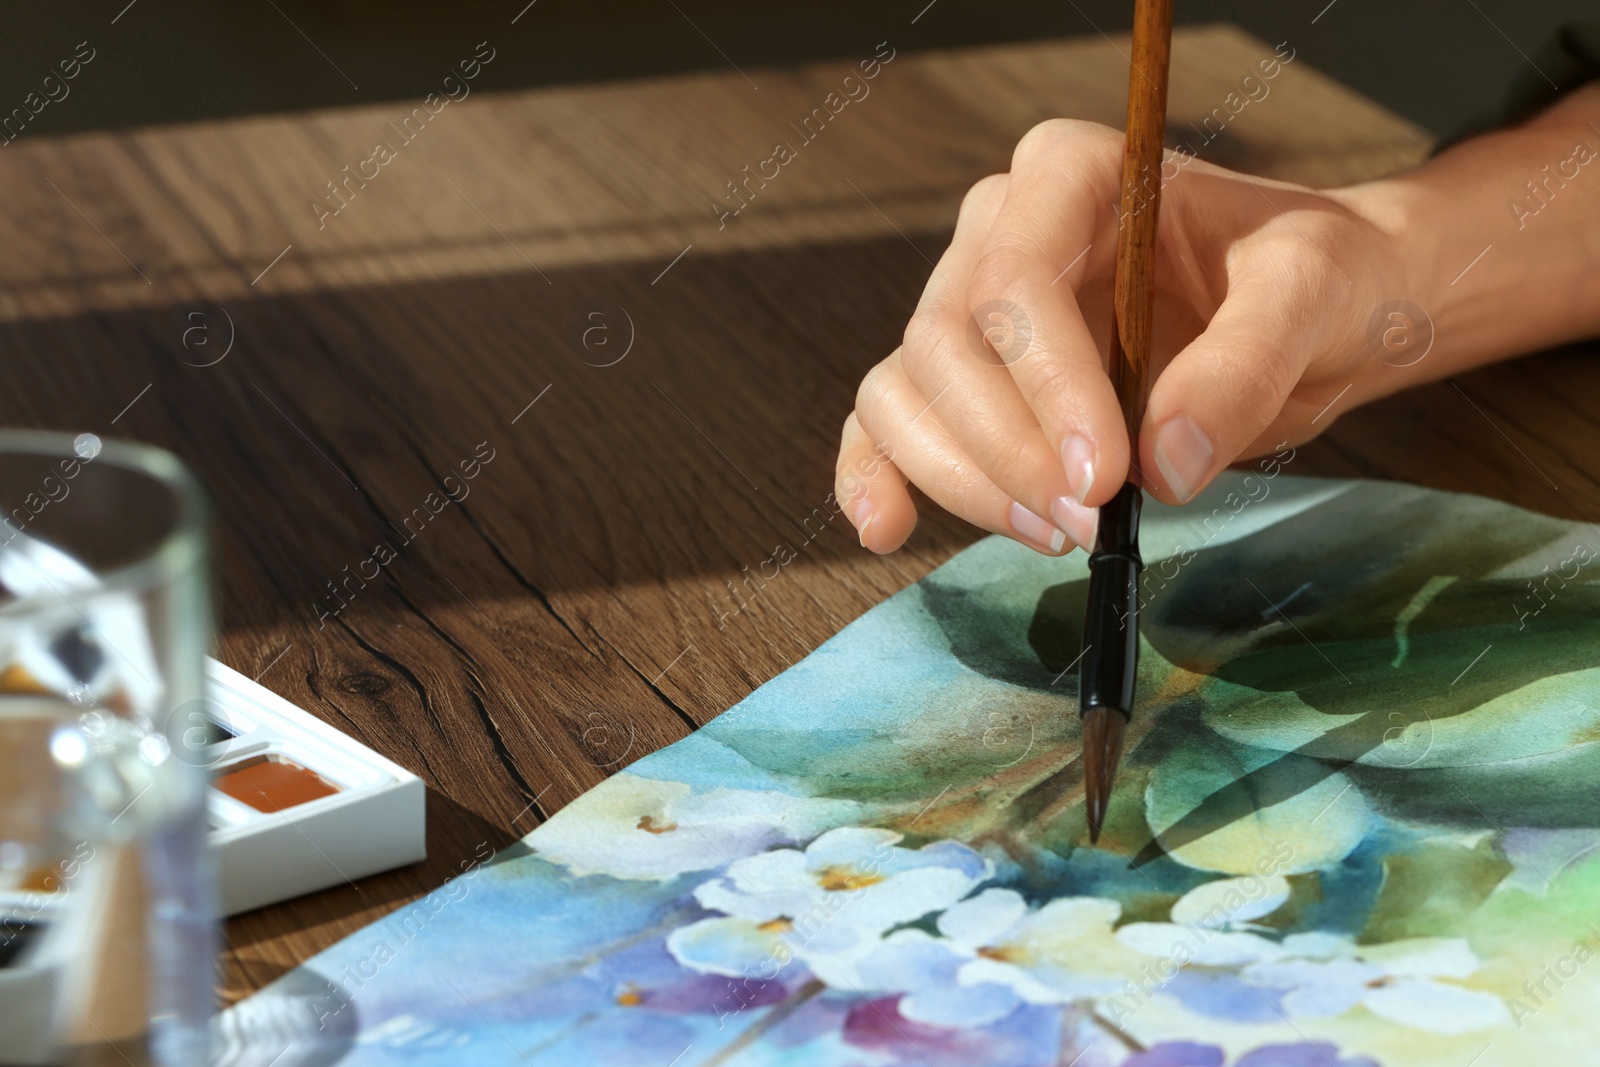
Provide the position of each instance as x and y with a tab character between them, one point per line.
1437	62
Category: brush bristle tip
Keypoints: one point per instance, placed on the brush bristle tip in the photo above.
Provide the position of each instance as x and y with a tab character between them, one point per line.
1102	748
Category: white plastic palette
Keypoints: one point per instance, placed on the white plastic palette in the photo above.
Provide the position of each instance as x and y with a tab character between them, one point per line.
374	822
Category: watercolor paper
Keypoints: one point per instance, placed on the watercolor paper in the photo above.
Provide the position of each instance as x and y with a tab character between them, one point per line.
1356	824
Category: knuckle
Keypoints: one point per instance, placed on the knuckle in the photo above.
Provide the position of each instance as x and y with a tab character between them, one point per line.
1308	295
1311	279
1041	140
1306	263
847	484
1050	383
955	486
872	395
1053	138
1257	388
984	192
1008	460
926	332
994	275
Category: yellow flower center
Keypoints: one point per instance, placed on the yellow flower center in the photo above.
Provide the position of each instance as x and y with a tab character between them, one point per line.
779	925
1003	953
840	879
629	998
647	823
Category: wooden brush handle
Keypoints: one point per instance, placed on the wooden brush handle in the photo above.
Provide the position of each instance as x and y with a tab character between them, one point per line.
1133	296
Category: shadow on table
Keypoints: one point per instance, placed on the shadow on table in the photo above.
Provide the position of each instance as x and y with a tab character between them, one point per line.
461	440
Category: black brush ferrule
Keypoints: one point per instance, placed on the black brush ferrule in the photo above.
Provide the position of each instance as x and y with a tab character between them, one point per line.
1110	654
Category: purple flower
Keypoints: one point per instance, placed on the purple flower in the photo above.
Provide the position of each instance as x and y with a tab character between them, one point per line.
1029	1037
1176	1054
1193	1054
1302	1054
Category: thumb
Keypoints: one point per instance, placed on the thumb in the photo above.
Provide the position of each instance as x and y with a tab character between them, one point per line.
1220	393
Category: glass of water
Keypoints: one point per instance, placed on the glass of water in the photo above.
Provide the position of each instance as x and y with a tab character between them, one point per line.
107	928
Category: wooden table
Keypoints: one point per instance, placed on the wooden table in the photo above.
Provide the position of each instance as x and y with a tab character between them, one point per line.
561	619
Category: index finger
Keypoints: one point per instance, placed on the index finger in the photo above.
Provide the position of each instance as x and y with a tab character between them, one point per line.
1055	223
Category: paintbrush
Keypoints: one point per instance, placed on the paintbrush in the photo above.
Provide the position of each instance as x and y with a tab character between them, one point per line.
1111	616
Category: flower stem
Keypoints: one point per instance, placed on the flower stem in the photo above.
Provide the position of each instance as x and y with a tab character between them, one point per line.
1069	1020
1132	1043
752	1033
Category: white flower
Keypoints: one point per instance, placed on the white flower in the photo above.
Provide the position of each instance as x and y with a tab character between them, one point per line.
640	828
1322	974
826	905
1212	924
1408	982
996	953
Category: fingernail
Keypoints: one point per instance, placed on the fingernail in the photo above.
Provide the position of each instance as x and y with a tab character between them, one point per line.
862	517
1031	527
1077	455
1183	455
1078	521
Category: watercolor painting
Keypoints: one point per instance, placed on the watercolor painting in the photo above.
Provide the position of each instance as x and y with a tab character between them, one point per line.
1355	825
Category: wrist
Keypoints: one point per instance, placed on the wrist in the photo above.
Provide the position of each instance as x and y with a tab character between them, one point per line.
1395	311
1496	241
1435	242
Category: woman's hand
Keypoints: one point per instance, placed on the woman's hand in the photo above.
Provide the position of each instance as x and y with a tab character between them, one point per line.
997	404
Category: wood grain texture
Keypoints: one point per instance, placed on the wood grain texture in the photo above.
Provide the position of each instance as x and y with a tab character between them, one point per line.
572	611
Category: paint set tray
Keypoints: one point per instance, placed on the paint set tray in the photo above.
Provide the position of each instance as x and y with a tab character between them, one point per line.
295	805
